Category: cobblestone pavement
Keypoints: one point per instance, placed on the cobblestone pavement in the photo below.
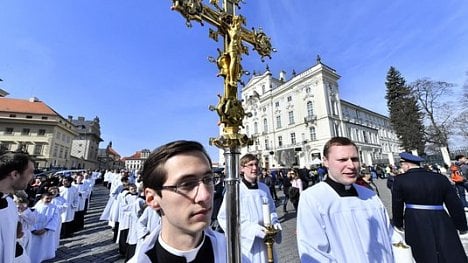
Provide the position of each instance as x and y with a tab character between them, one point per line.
94	242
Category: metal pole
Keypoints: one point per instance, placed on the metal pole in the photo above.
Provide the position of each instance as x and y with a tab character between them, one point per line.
229	108
232	204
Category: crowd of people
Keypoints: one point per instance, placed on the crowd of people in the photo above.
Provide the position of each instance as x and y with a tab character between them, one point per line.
41	209
175	208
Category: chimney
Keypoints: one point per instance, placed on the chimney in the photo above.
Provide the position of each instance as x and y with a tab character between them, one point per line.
282	76
33	99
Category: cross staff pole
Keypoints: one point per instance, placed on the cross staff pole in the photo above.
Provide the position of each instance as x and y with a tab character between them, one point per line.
229	108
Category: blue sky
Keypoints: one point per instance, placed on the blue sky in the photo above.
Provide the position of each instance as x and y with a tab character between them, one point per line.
136	66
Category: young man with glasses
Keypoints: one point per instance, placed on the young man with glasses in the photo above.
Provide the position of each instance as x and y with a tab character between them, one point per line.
252	196
178	182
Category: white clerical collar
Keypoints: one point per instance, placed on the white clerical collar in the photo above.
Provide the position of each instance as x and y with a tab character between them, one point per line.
189	255
347	187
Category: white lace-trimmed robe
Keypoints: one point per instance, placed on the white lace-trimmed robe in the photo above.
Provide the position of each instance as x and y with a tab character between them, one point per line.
28	218
9	222
108	214
70	194
331	228
61	204
253	248
83	194
133	209
43	246
148	221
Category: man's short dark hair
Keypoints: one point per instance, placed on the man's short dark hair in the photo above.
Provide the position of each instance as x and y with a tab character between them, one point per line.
11	161
154	175
337	141
459	157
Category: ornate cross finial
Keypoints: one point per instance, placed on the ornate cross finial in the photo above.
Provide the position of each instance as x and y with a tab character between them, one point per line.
231	27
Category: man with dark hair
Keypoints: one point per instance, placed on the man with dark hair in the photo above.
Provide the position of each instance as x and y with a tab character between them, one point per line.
179	184
338	220
16	171
254	197
418	199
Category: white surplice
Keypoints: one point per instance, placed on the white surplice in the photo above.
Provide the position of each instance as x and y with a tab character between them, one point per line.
70	194
253	247
9	222
43	246
331	228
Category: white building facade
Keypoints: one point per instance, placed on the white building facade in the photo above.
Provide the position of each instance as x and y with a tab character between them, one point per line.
293	119
136	161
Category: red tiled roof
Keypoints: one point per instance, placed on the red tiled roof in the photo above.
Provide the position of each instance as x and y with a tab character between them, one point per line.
113	152
25	106
136	155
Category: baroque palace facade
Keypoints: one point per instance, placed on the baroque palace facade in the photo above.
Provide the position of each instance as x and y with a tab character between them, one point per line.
292	120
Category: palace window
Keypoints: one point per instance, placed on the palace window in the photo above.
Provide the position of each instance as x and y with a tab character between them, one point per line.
291	117
313	135
38	149
278	122
310	108
25	131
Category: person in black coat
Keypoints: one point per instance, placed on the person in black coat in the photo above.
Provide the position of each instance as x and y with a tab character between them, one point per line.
418	199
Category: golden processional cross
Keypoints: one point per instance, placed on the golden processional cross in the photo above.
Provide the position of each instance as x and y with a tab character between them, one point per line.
229	108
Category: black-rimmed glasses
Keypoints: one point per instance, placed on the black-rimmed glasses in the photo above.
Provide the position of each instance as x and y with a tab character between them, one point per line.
186	187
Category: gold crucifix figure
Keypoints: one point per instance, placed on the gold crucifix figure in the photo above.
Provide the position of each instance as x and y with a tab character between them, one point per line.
231	27
229	108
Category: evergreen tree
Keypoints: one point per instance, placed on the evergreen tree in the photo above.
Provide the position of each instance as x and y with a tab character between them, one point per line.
405	114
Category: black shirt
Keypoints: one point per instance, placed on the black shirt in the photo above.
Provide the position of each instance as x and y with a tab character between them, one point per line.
249	184
340	188
159	255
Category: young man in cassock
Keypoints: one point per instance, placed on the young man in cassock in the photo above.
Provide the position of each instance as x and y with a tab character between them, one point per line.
418	200
16	171
338	220
252	196
44	238
70	194
179	183
83	194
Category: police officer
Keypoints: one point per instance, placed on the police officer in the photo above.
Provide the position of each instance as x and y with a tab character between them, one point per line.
418	199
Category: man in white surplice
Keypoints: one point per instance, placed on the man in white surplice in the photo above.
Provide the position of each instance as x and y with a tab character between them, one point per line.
252	195
16	170
43	242
338	220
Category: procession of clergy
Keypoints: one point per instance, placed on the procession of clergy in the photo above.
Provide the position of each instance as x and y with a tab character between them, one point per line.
57	211
338	220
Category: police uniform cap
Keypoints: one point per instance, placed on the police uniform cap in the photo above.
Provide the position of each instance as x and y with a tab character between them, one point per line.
410	158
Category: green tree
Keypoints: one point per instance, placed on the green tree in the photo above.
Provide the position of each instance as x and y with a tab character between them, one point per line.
405	114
